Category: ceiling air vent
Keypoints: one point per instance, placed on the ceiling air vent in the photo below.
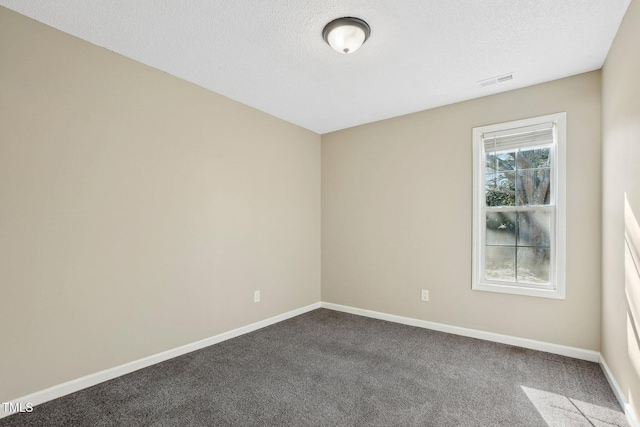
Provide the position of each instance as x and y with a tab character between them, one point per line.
494	80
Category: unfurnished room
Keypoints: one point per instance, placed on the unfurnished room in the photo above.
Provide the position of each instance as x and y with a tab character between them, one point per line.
331	213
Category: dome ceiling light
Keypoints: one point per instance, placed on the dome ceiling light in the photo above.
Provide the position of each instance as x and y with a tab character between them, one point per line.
346	35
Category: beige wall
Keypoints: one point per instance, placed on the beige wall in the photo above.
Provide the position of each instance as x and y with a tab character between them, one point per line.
621	179
397	211
138	212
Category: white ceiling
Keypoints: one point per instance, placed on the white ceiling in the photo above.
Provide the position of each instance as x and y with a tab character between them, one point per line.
271	55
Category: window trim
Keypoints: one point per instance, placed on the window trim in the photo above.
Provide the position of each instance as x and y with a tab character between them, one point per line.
558	224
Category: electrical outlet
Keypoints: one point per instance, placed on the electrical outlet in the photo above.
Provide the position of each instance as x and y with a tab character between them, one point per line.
424	296
256	296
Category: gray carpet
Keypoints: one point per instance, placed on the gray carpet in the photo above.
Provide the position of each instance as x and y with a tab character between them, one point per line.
326	368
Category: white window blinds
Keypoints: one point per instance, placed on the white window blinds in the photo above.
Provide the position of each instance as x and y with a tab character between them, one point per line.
510	139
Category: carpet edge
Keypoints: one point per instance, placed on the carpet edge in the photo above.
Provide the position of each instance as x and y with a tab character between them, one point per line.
563	350
90	380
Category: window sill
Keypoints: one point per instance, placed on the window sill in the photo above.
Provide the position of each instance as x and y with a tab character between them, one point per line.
518	290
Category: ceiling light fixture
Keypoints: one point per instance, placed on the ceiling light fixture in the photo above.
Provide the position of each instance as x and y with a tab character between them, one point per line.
346	35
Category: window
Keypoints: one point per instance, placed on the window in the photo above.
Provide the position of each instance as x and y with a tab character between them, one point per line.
518	207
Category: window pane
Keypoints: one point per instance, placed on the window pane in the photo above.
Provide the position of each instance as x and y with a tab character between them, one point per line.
500	189
506	161
533	265
490	189
490	163
533	187
533	159
534	229
501	228
500	263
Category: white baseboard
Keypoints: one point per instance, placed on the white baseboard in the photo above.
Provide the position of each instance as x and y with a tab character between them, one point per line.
631	416
90	380
108	374
577	353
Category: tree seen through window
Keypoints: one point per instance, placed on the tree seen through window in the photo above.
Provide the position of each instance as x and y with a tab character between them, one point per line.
518	240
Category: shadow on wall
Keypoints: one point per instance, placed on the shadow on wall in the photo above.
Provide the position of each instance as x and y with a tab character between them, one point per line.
632	283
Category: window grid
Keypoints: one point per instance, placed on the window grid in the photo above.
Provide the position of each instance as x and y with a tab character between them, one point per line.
509	162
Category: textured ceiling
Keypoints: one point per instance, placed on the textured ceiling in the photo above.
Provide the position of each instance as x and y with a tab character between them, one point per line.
271	55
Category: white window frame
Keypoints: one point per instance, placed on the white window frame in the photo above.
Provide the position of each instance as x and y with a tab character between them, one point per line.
557	286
